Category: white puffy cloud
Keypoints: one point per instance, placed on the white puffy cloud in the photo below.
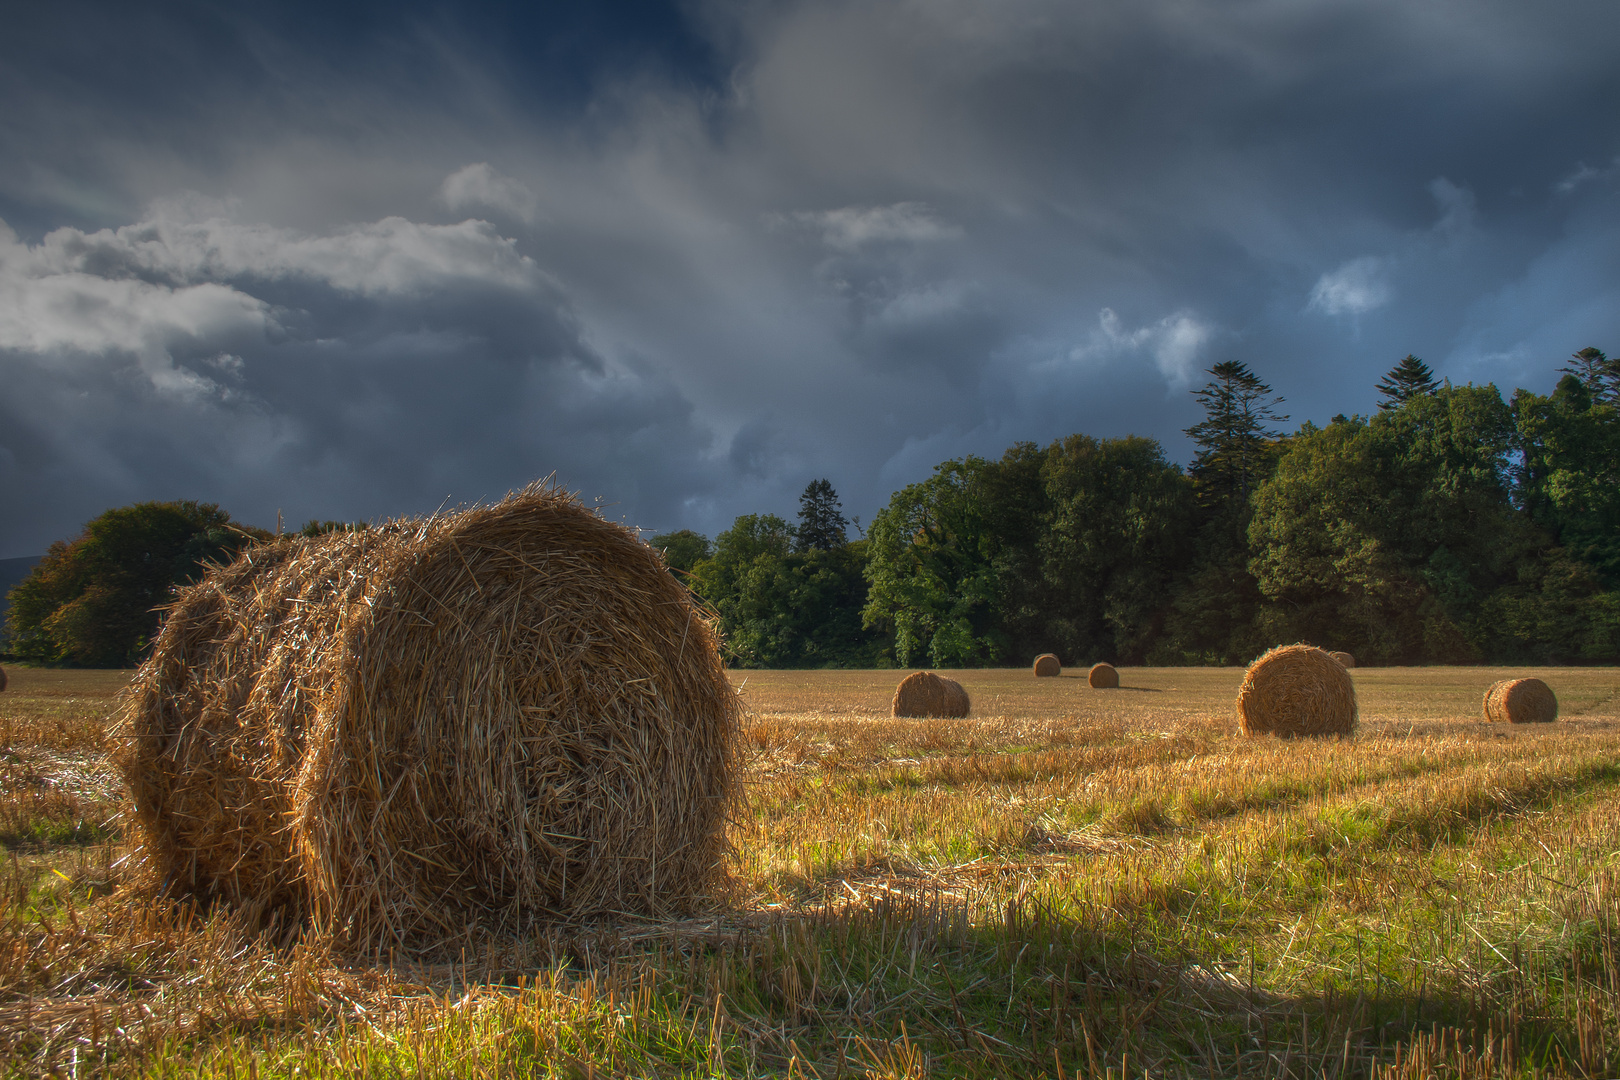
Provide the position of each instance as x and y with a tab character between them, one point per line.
1175	343
1355	288
363	371
480	187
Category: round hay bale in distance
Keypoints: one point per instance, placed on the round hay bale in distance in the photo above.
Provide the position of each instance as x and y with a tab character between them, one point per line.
1345	660
1046	666
1520	701
505	716
923	693
1103	676
2	678
1296	690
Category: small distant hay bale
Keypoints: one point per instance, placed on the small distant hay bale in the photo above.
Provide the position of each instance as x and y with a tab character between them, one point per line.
1520	701
2	678
1046	665
1345	659
504	716
1103	676
1296	690
923	693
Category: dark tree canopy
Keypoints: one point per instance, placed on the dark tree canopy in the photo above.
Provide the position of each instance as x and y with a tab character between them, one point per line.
1406	380
1235	436
822	525
683	550
93	601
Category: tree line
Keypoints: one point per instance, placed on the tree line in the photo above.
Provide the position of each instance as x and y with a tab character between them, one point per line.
1451	526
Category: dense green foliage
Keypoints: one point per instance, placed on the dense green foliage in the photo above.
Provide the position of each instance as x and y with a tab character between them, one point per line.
92	601
1451	526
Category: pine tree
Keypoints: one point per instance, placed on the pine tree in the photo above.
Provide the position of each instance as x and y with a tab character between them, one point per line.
822	525
1233	440
1600	374
1406	380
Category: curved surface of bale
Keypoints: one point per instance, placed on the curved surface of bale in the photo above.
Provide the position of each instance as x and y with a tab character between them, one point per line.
505	715
1296	690
1345	659
1520	701
1103	676
923	693
1046	665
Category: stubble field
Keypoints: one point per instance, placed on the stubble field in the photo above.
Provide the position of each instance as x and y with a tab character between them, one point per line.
1068	882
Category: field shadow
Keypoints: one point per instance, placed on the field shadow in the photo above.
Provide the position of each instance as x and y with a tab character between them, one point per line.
984	986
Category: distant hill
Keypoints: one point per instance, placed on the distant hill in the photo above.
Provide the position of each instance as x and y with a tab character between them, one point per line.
11	572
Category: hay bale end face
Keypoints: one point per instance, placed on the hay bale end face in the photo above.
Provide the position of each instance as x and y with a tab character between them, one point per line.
502	716
924	694
1345	660
1103	676
1047	666
1296	690
1520	701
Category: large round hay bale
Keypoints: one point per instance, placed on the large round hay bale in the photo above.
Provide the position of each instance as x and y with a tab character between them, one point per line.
923	693
2	678
1046	666
1296	690
1520	701
502	716
1345	660
1103	676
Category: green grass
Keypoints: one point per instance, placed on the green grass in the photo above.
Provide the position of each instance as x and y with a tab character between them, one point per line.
1069	882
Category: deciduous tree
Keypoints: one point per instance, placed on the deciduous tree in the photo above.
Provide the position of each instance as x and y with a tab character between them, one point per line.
93	601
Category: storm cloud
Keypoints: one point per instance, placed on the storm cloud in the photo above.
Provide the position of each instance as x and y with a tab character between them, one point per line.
355	262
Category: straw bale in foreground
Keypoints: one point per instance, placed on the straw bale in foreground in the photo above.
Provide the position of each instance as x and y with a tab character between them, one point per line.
1103	676
1296	690
1520	701
1046	665
923	693
506	715
1345	659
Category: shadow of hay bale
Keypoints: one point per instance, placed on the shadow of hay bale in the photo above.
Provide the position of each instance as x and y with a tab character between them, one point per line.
500	716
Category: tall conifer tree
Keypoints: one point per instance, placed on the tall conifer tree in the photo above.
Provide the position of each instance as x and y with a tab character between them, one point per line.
1599	373
1234	437
1405	381
822	525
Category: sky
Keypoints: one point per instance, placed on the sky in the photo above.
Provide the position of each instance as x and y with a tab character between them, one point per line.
354	261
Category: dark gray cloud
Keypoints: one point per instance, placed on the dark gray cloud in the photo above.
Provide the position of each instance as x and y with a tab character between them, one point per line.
347	263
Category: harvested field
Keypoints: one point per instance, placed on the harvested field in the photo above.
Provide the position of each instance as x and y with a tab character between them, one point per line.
1065	882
